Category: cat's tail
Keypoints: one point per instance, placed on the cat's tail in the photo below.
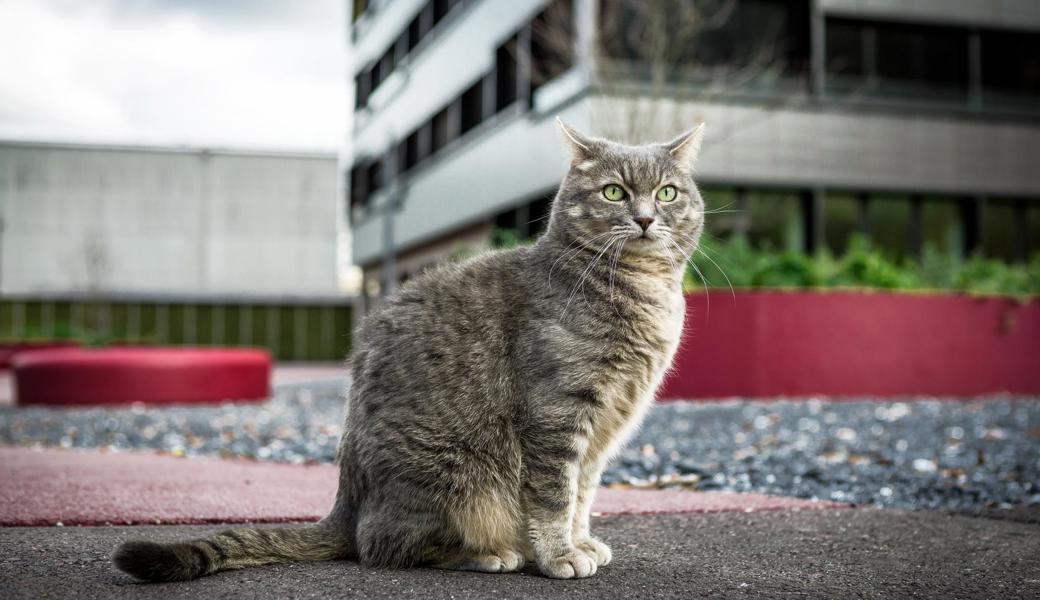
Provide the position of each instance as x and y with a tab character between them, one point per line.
232	549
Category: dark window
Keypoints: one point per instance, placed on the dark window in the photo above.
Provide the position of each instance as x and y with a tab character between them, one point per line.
400	47
415	32
362	86
386	66
472	107
890	224
552	40
841	219
440	8
401	156
375	175
1011	68
743	43
914	60
440	131
845	50
358	186
773	218
376	76
506	74
897	60
411	155
941	227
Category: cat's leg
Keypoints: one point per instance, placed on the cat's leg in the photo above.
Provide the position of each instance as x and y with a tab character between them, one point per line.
588	482
550	498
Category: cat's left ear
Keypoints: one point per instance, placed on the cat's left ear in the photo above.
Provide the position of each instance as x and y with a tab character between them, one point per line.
687	146
580	144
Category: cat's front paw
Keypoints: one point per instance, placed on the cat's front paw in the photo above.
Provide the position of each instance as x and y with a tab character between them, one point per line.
572	564
596	549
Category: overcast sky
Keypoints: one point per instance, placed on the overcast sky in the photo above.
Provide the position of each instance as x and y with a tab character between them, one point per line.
238	73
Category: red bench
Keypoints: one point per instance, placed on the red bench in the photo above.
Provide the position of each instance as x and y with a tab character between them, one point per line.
151	375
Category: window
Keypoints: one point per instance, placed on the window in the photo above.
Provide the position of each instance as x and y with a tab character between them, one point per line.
472	107
1032	229
942	227
897	60
415	32
411	155
765	42
506	74
774	220
440	9
890	224
440	131
841	220
1011	68
375	176
999	230
362	86
552	41
358	186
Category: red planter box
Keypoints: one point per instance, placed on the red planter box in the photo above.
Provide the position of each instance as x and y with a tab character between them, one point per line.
154	375
847	343
9	349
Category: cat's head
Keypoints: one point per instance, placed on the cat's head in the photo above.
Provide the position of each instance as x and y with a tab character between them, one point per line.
641	196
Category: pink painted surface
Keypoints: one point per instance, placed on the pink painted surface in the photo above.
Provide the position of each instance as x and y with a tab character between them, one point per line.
774	343
92	488
151	375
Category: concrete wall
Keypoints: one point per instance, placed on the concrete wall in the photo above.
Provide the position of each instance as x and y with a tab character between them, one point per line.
833	147
103	219
986	13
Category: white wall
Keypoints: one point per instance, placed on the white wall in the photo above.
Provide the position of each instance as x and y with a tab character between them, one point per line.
166	221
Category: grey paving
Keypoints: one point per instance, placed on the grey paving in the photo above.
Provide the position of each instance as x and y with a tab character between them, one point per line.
848	553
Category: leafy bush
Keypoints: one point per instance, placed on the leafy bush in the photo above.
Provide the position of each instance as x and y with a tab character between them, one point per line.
734	262
861	266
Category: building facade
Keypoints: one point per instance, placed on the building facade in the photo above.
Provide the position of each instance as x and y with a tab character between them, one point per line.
173	245
916	123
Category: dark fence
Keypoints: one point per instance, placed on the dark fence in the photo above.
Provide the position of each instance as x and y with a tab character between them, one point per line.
290	328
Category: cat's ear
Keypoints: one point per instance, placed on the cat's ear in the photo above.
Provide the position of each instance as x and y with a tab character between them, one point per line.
687	146
579	144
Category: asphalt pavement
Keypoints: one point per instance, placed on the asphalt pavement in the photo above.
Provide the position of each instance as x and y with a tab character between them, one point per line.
842	553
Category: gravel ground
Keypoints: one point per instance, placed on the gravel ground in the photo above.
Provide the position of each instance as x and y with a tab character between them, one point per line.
924	453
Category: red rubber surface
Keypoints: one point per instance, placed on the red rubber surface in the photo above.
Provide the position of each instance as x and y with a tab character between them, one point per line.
148	375
766	344
9	350
93	488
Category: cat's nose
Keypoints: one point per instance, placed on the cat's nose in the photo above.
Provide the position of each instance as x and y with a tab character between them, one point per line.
643	222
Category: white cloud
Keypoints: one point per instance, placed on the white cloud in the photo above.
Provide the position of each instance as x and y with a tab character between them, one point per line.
238	73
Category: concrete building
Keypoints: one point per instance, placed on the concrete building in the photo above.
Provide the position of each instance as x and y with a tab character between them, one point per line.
914	121
167	220
174	245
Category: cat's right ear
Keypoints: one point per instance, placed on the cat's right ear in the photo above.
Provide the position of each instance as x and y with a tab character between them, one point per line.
579	144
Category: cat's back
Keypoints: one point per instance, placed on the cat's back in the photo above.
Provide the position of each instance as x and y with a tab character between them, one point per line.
453	323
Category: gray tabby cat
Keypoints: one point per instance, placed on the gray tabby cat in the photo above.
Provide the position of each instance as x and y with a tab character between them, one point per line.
488	395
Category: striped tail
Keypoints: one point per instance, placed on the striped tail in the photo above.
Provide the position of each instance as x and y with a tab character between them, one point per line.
232	549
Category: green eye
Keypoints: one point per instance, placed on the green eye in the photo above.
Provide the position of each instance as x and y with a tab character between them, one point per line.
614	193
666	194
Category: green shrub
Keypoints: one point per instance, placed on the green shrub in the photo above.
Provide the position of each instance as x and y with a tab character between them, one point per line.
861	266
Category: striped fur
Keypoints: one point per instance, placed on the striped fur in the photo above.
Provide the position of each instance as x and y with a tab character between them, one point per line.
487	396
